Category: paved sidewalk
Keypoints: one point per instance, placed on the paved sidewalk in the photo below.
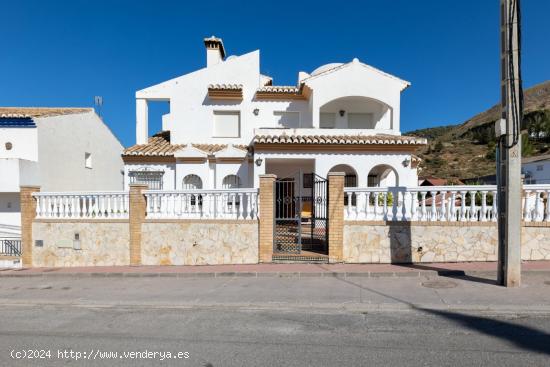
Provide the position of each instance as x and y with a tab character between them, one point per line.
282	270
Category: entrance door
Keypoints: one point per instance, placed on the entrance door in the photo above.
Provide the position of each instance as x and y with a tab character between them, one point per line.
301	214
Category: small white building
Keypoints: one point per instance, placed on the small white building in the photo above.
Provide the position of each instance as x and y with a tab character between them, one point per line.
228	123
536	170
58	149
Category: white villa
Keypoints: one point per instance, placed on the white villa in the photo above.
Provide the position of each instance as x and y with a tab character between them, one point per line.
58	149
228	123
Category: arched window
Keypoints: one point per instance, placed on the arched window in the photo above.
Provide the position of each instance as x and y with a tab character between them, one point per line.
231	182
350	180
192	182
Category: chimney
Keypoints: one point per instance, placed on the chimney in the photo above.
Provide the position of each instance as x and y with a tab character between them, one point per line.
215	52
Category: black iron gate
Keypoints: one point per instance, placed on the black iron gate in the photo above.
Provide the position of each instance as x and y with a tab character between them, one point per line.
301	214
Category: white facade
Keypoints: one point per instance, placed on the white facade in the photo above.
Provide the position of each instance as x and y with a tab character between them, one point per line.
57	149
230	103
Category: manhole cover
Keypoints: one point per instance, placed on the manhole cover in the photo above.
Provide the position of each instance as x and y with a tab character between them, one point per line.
439	284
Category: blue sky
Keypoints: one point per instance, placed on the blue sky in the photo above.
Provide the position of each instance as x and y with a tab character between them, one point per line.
63	53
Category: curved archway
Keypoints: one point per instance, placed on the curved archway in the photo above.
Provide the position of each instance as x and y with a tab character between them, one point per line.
192	182
383	175
351	175
355	112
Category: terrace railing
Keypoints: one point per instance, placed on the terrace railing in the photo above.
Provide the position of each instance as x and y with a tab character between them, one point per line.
440	203
82	205
203	204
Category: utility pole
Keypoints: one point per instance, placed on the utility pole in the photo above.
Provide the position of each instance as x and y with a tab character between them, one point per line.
508	131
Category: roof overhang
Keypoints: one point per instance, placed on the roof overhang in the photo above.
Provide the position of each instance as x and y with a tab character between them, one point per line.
225	91
275	92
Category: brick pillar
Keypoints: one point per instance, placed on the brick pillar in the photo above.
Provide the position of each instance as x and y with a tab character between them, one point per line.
336	216
267	186
28	213
137	217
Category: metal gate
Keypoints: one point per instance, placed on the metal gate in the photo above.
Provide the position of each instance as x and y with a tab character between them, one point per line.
301	214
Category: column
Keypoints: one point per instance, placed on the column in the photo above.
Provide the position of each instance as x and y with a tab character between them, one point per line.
28	213
336	216
138	208
142	121
267	186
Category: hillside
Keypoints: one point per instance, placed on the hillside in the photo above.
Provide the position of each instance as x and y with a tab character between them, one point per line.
467	150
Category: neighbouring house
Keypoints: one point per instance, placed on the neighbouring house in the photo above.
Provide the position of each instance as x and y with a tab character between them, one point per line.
58	149
536	170
228	123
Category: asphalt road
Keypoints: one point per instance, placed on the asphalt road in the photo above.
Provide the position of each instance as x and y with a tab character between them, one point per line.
203	318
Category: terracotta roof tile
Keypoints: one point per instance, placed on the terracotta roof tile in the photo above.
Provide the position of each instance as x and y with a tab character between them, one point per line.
225	86
279	89
42	111
379	139
159	145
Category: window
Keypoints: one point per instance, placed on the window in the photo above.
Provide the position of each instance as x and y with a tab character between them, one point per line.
360	121
287	119
151	178
373	181
327	120
227	124
540	167
88	160
231	182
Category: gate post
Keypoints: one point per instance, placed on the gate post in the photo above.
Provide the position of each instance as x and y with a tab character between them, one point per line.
267	186
138	207
28	213
336	216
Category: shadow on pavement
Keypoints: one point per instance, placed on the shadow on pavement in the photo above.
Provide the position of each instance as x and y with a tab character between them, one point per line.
524	337
450	273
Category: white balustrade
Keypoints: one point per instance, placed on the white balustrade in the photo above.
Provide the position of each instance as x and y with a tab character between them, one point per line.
82	205
203	204
440	203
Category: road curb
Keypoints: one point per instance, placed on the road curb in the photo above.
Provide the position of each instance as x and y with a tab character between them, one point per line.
252	274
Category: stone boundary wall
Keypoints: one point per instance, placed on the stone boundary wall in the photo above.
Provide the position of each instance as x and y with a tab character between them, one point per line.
425	242
102	243
199	242
164	242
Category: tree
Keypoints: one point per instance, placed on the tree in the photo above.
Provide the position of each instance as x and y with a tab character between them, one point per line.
491	151
526	146
438	146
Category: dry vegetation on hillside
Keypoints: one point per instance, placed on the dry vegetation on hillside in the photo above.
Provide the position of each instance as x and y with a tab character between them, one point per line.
468	150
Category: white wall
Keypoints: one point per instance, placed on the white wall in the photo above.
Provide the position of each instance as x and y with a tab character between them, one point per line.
191	110
62	142
23	141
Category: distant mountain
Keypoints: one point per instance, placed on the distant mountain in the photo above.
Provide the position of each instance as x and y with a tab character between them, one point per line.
467	150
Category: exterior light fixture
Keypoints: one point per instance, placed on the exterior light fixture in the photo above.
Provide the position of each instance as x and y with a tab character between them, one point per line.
342	112
258	162
256	111
406	162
